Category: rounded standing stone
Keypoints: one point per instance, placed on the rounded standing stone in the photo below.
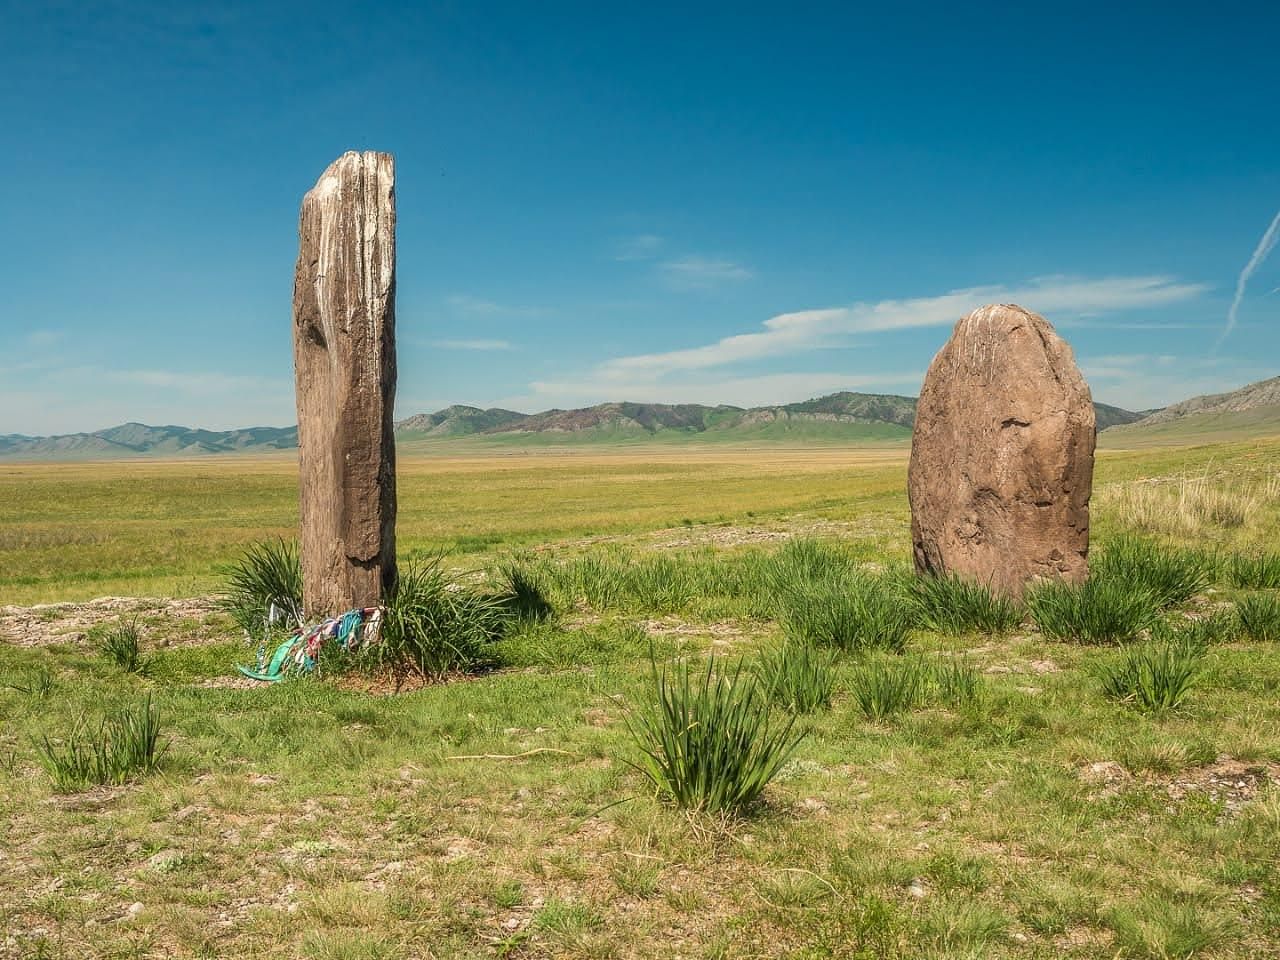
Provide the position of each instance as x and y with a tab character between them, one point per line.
1002	455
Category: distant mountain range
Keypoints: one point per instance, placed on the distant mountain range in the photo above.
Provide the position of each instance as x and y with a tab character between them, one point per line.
138	439
839	417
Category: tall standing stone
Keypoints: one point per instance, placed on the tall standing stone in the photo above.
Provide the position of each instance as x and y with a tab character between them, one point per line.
1002	455
344	355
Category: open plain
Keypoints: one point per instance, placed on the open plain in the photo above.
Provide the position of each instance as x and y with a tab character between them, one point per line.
498	814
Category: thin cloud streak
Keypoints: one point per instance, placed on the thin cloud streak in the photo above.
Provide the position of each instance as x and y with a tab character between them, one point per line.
702	273
1260	252
643	247
805	330
473	344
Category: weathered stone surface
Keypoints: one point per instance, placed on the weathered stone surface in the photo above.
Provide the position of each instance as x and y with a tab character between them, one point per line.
345	365
1002	455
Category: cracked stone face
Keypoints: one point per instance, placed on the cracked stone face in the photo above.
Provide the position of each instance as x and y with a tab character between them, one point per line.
1002	455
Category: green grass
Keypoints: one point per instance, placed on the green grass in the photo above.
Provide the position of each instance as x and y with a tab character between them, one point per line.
707	740
882	688
797	677
122	746
956	606
1097	611
497	815
119	643
1255	571
264	588
1171	576
1259	615
1154	677
854	614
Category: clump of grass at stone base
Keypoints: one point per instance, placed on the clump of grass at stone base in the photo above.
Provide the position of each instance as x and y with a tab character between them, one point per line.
1170	576
952	605
433	624
267	578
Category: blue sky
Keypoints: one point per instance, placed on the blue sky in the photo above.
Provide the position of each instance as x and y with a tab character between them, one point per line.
690	202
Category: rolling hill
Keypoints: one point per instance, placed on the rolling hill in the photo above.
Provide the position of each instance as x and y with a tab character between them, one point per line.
138	439
836	418
1252	411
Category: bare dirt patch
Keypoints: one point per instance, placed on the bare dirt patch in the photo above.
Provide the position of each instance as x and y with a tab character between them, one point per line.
48	623
1231	782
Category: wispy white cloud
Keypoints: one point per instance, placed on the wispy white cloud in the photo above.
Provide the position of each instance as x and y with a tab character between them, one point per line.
643	247
473	344
791	333
480	307
43	339
1260	253
702	273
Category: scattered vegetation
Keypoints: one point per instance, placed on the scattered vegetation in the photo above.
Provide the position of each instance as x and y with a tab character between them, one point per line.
1187	506
266	578
953	605
1170	576
36	682
1100	610
884	688
1155	677
958	683
1033	817
122	746
707	739
797	677
1254	571
434	625
120	643
859	613
1259	615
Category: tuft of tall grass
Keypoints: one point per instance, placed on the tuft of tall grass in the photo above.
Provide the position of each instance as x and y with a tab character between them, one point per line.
433	626
1258	571
267	575
1221	626
1155	677
958	683
1171	576
121	747
707	739
1097	611
858	613
1183	506
953	605
797	676
1259	615
120	644
525	592
37	682
882	689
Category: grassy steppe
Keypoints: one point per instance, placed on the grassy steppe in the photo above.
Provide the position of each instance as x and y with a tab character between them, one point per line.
498	816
